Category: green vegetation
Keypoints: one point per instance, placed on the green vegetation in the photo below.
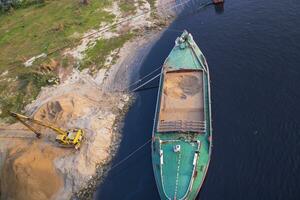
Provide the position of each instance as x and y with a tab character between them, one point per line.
36	29
152	3
28	32
27	87
127	6
96	56
7	5
45	26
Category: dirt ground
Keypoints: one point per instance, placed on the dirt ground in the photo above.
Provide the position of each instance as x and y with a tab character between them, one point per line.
28	168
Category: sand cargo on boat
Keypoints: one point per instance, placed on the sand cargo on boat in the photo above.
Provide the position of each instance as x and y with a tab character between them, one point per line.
182	132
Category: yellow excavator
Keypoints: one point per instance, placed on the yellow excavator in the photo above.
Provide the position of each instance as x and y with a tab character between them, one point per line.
70	138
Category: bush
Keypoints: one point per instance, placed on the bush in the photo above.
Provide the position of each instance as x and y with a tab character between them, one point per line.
6	5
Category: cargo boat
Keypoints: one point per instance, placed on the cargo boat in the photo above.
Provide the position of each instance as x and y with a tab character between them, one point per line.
182	131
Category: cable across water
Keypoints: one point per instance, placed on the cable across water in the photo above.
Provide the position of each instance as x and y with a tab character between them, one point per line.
130	155
139	80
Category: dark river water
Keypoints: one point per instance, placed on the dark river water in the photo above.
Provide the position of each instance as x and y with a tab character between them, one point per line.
253	51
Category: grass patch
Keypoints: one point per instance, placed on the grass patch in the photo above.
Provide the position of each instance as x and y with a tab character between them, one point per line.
41	28
30	31
17	4
36	29
96	56
152	3
127	6
28	86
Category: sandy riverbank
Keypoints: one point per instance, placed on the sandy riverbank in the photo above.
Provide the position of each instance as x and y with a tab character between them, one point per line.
95	103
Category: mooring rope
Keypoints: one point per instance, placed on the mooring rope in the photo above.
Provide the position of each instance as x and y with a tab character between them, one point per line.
130	155
147	88
135	89
139	80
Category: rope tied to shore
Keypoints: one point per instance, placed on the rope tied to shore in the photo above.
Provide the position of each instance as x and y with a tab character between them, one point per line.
135	89
130	155
144	77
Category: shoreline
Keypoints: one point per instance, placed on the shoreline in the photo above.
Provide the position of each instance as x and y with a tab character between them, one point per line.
132	61
72	103
117	79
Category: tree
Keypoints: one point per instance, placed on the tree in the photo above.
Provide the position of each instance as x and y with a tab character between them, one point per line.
85	2
6	5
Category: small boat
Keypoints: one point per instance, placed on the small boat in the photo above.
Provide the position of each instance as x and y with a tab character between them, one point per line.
182	131
218	2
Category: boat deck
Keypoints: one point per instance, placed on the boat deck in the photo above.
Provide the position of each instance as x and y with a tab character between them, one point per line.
182	107
179	165
179	170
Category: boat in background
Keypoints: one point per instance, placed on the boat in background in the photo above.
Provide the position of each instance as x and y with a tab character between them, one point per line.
218	2
182	131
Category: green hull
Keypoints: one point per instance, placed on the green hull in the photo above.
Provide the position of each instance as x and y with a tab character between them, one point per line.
182	132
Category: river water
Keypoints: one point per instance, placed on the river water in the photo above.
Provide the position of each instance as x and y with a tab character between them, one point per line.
253	51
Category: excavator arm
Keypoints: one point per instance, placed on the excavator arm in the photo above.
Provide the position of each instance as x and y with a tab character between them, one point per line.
24	120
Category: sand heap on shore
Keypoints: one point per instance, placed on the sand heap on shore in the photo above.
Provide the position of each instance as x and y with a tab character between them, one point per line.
29	173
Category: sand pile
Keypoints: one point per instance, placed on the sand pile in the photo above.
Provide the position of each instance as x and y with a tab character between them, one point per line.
29	173
182	98
171	87
182	85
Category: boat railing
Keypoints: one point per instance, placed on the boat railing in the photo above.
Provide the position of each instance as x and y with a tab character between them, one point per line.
182	126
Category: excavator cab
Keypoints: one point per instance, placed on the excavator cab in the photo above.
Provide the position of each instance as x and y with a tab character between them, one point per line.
73	137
